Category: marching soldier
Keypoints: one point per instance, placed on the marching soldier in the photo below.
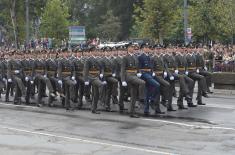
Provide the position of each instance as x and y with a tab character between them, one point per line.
186	83
170	67
200	62
93	74
193	73
2	76
80	87
40	78
27	65
152	86
15	75
52	82
159	72
9	82
67	81
117	63
130	76
111	89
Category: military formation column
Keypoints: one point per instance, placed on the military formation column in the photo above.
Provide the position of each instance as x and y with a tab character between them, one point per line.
145	75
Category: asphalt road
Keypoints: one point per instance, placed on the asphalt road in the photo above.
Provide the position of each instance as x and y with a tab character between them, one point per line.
204	130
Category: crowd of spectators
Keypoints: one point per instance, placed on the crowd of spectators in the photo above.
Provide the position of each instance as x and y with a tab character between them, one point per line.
223	58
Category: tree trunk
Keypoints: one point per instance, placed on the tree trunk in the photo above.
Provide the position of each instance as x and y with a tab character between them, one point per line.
160	38
232	40
13	20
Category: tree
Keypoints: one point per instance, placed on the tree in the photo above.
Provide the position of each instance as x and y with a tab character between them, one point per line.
124	11
55	20
11	16
231	19
154	18
212	19
110	28
89	13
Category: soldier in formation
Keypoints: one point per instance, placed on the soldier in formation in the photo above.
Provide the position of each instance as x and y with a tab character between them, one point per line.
147	76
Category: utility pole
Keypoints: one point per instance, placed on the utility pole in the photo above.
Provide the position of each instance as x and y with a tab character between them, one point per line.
27	21
186	41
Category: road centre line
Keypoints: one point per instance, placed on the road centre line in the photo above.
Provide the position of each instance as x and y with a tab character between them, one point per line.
21	106
89	141
190	125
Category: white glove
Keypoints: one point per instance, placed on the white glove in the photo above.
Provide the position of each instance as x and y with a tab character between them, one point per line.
186	72
17	71
87	83
9	80
205	68
26	79
101	76
139	75
172	78
45	76
60	82
73	78
104	82
32	82
113	75
198	71
165	74
153	74
124	84
4	79
177	71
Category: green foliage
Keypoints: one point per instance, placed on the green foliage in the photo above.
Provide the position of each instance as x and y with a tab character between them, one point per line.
120	19
154	18
110	28
212	19
91	15
209	19
54	20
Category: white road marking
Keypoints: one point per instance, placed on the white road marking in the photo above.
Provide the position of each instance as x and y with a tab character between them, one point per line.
190	125
89	141
222	106
22	106
217	106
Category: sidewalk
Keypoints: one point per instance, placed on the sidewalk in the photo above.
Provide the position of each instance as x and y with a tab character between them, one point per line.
224	92
216	91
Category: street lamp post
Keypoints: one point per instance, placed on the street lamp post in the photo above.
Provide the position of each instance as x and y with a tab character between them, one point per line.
186	41
27	21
